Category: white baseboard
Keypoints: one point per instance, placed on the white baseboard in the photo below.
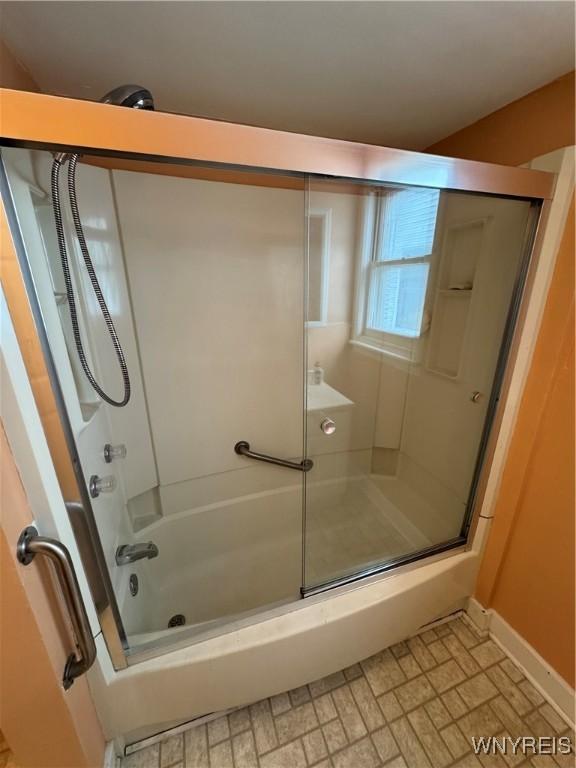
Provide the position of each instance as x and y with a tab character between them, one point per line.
544	678
478	614
111	759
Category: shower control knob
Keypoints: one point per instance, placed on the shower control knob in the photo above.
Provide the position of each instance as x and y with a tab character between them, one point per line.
100	485
328	427
112	452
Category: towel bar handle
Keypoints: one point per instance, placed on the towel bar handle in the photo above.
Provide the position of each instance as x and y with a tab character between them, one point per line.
31	544
243	449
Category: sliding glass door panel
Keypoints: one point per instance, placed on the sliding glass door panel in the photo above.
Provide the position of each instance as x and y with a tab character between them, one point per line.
417	285
203	275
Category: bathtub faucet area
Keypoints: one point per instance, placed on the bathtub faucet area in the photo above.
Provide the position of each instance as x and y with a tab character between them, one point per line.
129	553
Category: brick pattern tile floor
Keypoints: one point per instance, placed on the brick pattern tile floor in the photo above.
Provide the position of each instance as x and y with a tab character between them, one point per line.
414	705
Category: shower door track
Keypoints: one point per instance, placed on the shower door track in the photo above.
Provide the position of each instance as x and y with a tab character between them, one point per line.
52	123
39	121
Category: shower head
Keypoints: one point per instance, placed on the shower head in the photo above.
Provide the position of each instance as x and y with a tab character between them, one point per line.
134	96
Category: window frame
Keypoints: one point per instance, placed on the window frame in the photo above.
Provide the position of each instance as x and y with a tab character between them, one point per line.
403	347
325	215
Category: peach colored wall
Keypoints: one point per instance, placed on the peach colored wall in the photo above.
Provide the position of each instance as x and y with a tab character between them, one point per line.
45	726
528	570
527	574
6	755
13	74
534	125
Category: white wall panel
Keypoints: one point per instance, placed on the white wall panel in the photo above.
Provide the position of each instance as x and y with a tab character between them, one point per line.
216	273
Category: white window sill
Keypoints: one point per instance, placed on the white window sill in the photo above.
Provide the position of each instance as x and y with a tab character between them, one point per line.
401	361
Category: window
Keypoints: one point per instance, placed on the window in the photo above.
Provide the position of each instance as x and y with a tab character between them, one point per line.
319	234
397	269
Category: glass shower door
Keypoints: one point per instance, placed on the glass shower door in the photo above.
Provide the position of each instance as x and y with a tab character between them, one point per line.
409	294
222	361
203	273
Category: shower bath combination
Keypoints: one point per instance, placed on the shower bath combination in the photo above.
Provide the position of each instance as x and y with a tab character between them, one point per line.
314	378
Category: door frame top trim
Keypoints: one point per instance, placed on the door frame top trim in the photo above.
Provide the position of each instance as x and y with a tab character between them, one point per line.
35	119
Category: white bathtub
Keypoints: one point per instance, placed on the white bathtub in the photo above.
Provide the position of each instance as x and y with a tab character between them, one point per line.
224	560
300	640
216	561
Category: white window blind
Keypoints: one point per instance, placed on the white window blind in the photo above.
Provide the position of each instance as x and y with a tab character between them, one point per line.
407	224
398	273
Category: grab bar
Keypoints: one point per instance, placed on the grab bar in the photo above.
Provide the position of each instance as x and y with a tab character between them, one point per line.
31	544
243	449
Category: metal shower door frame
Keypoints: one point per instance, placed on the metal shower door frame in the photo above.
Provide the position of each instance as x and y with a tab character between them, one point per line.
39	121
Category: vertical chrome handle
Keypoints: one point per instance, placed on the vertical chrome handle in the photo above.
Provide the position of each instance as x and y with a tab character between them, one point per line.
31	544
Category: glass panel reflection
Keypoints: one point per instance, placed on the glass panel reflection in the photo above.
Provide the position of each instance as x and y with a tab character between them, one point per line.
420	286
203	273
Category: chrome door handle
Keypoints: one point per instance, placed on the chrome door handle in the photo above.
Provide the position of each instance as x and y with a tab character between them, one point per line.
243	449
31	544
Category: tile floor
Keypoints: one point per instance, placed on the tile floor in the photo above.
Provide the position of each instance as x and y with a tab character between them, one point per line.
414	705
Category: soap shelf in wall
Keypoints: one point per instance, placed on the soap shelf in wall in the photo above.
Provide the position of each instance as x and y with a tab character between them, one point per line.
322	397
456	292
88	409
445	374
461	252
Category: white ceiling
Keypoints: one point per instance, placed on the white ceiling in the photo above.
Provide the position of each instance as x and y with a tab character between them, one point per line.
395	73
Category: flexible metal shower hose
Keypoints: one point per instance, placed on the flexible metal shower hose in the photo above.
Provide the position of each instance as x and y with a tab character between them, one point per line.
56	165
